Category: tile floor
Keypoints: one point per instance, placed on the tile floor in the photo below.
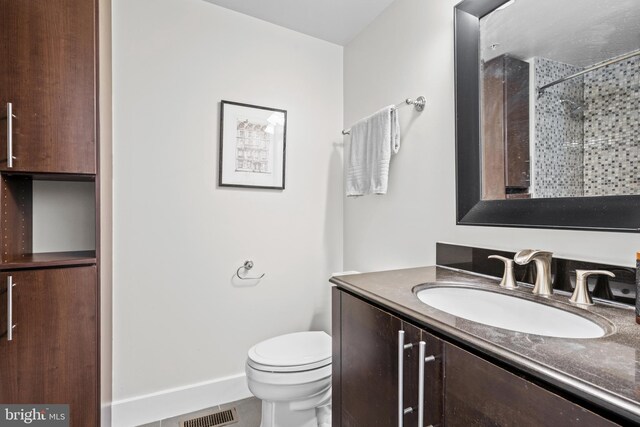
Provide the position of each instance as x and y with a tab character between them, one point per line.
248	414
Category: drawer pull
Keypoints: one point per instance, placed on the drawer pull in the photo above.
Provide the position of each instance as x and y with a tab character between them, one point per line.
401	348
422	360
10	117
10	324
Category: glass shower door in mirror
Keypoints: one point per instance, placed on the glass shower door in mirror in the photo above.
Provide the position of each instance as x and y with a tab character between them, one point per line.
560	99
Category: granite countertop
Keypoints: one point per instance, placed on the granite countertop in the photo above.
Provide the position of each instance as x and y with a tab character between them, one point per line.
604	371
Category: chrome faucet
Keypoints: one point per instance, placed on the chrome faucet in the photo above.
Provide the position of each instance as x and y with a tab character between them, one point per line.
542	259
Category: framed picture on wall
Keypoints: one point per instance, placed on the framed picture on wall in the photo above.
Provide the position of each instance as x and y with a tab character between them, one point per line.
252	146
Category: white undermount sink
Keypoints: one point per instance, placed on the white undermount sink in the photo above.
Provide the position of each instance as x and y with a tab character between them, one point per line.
509	312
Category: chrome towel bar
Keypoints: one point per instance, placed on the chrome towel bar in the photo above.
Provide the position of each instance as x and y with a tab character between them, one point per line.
417	103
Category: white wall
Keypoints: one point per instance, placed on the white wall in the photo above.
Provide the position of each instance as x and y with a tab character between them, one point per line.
179	319
64	216
408	51
106	214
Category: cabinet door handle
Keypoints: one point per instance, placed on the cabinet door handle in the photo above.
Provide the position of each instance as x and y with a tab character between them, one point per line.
422	360
10	324
401	348
10	117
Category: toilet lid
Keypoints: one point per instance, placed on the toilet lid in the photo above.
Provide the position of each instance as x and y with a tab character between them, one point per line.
292	352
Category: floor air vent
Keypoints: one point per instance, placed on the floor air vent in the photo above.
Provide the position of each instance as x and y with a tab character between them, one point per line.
218	419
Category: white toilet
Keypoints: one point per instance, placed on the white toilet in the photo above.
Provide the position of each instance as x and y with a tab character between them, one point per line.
291	374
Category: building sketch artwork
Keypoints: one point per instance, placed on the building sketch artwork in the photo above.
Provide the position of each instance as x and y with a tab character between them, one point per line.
253	147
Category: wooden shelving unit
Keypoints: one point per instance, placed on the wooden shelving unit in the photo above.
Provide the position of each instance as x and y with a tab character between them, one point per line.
50	259
48	86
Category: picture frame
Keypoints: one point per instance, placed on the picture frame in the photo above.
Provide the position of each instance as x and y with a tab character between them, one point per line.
252	146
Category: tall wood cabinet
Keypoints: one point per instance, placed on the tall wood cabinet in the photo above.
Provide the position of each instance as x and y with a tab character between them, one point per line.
51	357
49	302
460	388
48	78
505	128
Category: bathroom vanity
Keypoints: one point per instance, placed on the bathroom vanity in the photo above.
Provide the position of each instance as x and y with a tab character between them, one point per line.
471	373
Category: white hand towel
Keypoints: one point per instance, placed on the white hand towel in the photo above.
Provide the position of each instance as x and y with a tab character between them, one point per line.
373	141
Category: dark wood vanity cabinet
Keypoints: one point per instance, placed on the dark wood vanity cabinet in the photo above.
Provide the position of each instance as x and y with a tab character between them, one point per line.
368	383
365	367
52	355
460	388
480	393
48	75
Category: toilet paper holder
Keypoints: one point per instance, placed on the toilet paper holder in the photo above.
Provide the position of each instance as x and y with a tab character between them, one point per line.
248	265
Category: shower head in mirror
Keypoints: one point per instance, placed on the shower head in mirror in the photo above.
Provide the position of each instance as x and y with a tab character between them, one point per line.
572	107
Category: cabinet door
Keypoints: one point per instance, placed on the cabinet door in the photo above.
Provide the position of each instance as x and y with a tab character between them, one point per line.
369	364
516	111
493	130
47	73
505	128
432	381
366	367
53	355
479	393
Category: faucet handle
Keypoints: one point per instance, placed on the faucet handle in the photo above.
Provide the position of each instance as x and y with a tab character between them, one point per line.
581	292
509	278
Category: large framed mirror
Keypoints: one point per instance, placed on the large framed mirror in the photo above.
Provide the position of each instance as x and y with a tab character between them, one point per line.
548	113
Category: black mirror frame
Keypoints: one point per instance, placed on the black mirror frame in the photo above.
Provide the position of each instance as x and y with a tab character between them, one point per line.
608	213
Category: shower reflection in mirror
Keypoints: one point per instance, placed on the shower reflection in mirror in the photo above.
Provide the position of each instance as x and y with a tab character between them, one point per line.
560	109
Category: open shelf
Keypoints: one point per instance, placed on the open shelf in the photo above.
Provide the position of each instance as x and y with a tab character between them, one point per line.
49	259
57	218
40	176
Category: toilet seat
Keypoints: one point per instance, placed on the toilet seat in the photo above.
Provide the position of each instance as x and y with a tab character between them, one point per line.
292	369
291	374
296	352
287	378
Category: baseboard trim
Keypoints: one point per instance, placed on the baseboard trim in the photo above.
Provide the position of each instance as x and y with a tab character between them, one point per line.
177	401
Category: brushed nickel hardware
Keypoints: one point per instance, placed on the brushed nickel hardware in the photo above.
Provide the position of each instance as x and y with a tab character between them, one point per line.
509	277
10	117
10	325
248	265
402	411
581	294
417	103
422	360
542	259
401	348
